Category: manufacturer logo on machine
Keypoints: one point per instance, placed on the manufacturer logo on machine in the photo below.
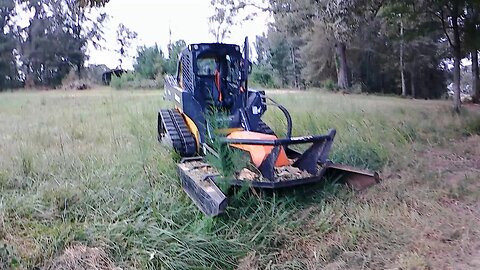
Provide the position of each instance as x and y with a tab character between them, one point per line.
256	110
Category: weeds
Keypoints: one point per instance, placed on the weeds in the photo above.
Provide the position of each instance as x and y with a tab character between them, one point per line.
8	257
330	85
472	125
229	159
90	170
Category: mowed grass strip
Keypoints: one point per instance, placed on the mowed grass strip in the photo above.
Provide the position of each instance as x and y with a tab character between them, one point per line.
85	168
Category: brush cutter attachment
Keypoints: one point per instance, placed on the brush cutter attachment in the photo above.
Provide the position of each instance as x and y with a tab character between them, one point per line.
197	179
200	180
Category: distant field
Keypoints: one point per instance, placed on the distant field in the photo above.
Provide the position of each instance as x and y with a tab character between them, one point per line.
84	180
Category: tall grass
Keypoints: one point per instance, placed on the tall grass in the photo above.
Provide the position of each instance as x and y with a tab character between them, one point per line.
86	167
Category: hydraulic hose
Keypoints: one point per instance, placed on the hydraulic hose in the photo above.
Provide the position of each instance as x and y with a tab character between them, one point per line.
287	115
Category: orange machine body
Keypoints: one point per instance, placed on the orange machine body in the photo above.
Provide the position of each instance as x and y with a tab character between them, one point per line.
258	153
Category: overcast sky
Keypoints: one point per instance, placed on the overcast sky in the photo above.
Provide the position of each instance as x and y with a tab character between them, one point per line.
151	19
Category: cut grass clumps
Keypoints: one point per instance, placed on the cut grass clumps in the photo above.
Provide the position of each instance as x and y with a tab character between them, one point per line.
413	261
78	257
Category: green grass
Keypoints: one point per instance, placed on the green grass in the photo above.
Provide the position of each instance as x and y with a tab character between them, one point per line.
85	167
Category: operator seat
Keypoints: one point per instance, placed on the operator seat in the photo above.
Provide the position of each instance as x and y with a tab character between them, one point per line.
222	87
213	86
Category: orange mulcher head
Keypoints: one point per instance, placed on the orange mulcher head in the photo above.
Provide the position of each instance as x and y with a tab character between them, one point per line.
259	153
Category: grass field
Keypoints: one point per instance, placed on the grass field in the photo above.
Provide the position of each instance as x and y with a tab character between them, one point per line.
84	183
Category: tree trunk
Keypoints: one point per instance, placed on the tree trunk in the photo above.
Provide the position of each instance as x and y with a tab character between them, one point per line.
79	71
412	83
457	55
402	65
342	72
294	64
475	78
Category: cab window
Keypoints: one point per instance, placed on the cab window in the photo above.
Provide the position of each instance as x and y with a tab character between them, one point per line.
206	66
233	69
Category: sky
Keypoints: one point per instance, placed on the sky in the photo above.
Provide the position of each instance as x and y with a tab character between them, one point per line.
152	19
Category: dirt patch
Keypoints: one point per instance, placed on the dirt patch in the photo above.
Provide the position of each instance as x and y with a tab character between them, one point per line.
79	257
449	238
472	106
471	263
415	222
458	154
249	262
456	164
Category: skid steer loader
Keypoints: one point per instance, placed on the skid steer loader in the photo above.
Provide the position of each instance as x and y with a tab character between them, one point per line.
213	77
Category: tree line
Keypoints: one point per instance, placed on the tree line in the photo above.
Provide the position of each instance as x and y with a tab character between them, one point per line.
151	62
52	44
150	66
410	48
407	47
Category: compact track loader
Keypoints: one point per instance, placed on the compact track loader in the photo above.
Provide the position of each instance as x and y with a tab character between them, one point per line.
215	112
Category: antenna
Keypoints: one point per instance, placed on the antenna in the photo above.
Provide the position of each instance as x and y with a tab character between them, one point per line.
246	67
169	33
169	47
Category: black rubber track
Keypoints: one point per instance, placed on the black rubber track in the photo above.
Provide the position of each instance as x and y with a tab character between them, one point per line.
173	130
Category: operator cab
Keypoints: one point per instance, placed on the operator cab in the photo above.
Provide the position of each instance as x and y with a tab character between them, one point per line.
218	77
214	76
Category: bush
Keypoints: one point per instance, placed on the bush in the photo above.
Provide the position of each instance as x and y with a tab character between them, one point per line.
262	77
330	85
358	88
73	82
131	80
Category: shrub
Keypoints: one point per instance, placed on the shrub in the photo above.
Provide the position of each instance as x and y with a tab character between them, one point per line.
262	77
329	84
131	80
358	88
73	82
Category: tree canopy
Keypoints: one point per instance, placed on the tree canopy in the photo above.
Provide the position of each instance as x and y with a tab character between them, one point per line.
387	46
151	62
53	44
